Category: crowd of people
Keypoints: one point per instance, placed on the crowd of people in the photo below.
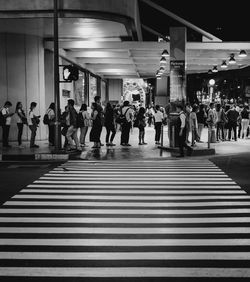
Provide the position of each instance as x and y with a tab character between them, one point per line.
224	122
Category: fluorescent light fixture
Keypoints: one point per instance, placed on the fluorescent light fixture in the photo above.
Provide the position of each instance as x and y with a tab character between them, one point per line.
165	53
224	65
242	53
215	69
163	60
232	60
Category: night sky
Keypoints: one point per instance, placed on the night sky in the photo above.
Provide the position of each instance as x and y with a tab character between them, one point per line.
222	19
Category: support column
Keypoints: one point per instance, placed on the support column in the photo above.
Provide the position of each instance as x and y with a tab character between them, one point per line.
177	77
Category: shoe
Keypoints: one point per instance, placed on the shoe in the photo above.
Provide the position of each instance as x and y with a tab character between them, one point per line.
34	146
101	144
127	144
140	143
144	143
123	144
112	144
108	144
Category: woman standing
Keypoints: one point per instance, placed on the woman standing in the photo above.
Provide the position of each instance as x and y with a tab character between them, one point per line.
86	121
158	119
141	125
201	119
21	120
244	121
51	125
109	124
33	122
96	130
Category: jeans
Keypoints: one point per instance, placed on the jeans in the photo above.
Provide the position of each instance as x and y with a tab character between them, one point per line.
72	135
33	129
232	125
125	132
52	134
6	131
157	131
110	129
244	126
20	133
220	131
83	134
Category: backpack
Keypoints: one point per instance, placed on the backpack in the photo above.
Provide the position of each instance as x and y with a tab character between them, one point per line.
80	120
46	119
121	119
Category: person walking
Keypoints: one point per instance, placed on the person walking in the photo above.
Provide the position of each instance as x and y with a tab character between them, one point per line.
33	122
109	124
127	124
21	120
158	119
85	125
141	125
244	121
51	125
181	132
96	130
71	121
5	112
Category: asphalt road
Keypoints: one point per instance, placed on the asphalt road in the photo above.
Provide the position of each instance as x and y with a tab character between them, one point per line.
14	176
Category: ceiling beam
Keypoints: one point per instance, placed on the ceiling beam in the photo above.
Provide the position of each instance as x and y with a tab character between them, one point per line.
181	20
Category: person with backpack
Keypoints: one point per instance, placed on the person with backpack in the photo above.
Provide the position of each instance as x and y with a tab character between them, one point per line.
233	118
33	122
211	122
96	130
181	132
126	125
51	123
109	124
21	120
71	121
84	123
5	123
158	120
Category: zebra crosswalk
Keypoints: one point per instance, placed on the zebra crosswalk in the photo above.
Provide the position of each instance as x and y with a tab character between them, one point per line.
136	221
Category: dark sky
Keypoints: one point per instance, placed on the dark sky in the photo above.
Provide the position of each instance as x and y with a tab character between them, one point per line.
221	18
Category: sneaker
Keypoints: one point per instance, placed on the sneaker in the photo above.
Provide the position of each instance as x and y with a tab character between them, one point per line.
112	144
144	143
140	143
127	144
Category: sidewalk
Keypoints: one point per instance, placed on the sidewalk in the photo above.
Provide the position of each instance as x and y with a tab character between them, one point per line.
135	152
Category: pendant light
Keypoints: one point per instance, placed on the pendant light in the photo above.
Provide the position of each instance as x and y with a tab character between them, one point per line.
215	69
242	53
163	60
224	65
232	60
165	53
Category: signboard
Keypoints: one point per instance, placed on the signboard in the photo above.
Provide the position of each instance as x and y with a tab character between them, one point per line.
178	65
66	93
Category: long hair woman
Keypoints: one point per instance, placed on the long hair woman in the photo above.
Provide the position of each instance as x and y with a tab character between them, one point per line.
21	120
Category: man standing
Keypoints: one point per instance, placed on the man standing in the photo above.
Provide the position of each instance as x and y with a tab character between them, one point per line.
71	121
233	118
126	126
5	111
181	131
100	112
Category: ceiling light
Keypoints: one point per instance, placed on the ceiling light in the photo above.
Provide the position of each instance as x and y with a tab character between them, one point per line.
165	53
161	70
209	72
224	65
242	53
163	60
232	60
158	74
215	69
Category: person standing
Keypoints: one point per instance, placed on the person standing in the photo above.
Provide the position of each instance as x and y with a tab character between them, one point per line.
51	125
96	130
71	121
85	126
101	113
110	124
126	126
21	120
194	124
201	119
5	111
33	122
211	122
141	125
181	132
244	121
220	125
233	117
158	119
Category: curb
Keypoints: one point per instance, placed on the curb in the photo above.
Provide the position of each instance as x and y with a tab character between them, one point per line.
34	157
196	151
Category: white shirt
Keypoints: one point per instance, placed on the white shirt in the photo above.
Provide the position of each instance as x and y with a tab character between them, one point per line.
158	116
183	119
6	111
129	113
30	117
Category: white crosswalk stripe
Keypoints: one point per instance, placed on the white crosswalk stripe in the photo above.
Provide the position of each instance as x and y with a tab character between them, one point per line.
155	221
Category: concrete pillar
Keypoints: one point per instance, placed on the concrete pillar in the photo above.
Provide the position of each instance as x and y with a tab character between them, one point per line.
22	77
162	95
115	90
